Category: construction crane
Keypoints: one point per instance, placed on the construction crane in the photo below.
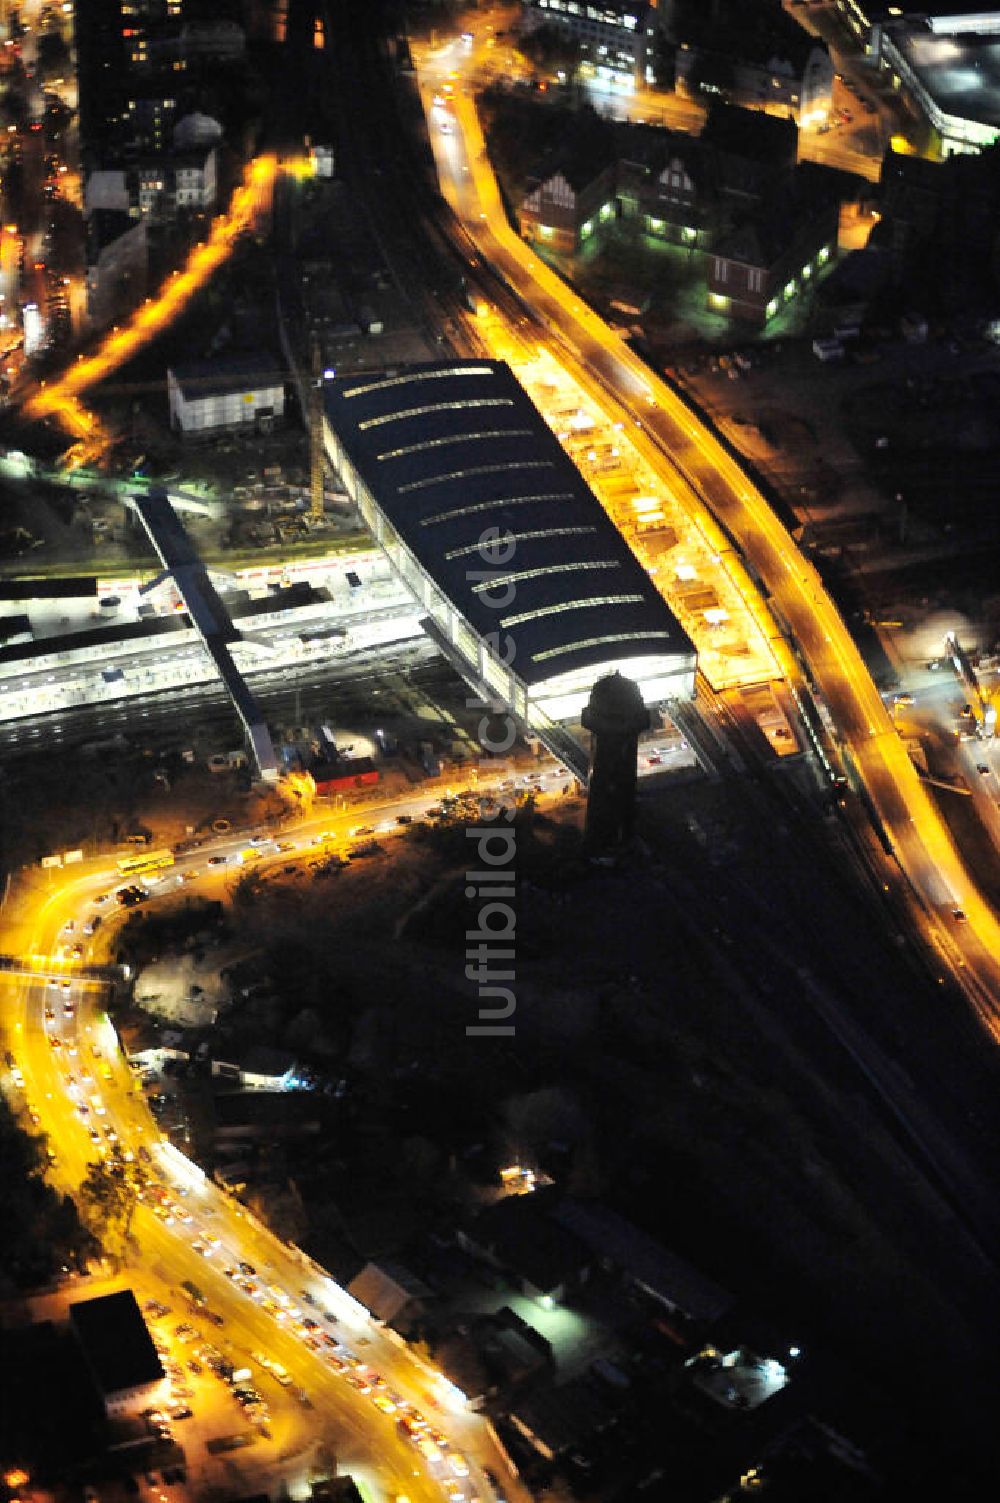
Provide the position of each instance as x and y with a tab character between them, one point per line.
316	434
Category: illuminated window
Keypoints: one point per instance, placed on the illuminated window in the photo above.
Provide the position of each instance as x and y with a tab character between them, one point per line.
451	370
772	307
481	506
619	636
545	230
824	255
500	580
570	605
410	412
807	272
689	233
454	438
790	288
482	469
586	229
520	537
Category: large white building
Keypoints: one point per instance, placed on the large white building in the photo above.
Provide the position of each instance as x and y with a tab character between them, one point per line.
442	459
235	392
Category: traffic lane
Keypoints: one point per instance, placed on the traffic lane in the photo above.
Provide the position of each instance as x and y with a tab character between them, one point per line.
248	1328
177	1247
863	714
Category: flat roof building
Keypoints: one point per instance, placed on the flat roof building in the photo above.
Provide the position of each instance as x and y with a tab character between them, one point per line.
119	1351
228	392
529	587
948	63
863	16
616	37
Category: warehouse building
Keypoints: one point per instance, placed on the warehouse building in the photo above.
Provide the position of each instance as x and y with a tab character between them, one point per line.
236	392
529	588
119	1352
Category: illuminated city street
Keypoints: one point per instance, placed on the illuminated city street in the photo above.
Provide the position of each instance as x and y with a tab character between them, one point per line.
499	671
919	836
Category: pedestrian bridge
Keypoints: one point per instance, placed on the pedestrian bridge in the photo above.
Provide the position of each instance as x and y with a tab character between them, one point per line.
51	968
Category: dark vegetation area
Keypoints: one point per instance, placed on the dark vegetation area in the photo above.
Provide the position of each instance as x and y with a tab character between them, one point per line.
673	1073
42	1234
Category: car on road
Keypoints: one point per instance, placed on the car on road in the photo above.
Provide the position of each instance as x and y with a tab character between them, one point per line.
958	915
217	860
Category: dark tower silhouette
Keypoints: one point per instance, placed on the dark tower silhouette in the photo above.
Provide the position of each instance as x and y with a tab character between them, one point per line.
614	717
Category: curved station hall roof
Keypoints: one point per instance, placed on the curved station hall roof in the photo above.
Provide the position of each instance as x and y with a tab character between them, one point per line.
456	452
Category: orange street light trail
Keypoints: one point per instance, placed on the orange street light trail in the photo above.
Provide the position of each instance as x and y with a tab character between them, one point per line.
59	398
920	838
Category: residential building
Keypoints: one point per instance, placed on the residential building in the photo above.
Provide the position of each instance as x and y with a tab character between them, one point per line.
127	101
227	393
120	1352
616	37
217	41
156	186
489	1355
644	1265
555	1421
196	129
774	253
568	206
674	194
117	265
545	1260
755	56
392	1294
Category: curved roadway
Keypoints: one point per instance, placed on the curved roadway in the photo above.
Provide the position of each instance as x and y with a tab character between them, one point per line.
918	834
77	1085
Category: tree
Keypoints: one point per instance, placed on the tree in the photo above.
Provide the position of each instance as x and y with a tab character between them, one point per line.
710	73
552	50
41	1230
109	1194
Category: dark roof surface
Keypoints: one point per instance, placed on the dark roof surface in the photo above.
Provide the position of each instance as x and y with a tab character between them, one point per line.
960	71
227	373
648	1262
520	1235
115	1341
41	588
455	453
771	231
